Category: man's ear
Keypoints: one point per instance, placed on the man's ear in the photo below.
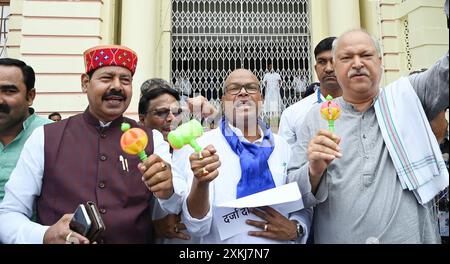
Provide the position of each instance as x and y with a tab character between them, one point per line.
31	94
142	118
84	82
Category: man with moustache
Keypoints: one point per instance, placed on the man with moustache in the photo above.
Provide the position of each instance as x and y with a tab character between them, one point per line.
241	157
373	179
17	118
292	118
80	159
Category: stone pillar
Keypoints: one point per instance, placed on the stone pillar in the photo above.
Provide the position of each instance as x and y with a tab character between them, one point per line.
138	31
343	15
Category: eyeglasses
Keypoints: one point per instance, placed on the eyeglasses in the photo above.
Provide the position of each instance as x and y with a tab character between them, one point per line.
164	113
250	88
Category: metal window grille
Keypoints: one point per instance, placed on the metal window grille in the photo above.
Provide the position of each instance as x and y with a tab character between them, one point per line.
212	38
4	15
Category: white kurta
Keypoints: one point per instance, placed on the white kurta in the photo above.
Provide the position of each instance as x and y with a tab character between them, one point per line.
292	118
272	98
180	183
223	188
299	84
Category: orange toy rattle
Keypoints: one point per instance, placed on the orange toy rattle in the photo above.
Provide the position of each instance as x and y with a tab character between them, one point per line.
134	141
330	111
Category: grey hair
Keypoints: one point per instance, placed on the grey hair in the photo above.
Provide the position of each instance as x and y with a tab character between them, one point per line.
375	42
153	83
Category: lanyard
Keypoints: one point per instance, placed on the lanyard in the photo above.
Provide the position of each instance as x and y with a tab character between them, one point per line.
319	100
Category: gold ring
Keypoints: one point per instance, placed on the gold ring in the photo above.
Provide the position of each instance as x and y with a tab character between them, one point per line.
200	156
266	227
176	229
68	237
163	165
204	171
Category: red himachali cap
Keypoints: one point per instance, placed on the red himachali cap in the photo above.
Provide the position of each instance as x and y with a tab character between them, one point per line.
110	55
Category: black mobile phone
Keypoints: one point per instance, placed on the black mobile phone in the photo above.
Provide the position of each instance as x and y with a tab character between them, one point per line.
81	222
98	226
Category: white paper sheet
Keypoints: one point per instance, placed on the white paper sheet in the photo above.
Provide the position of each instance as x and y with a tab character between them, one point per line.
230	216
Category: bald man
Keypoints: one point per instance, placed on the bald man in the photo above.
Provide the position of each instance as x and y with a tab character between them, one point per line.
353	173
242	157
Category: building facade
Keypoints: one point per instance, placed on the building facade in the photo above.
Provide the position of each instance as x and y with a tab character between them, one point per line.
196	43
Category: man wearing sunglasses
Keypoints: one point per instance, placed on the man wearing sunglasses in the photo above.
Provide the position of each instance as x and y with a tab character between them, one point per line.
160	109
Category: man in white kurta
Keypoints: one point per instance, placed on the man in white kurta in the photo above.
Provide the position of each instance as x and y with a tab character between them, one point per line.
217	174
272	83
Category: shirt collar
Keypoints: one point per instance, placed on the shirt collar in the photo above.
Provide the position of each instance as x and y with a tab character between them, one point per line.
241	137
29	119
349	107
95	122
319	95
104	124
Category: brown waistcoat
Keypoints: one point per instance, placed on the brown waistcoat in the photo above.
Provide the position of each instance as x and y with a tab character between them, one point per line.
82	164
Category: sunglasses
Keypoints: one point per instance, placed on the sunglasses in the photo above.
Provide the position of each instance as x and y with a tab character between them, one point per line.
164	113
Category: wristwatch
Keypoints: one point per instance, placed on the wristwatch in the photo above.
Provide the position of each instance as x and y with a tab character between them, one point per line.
300	231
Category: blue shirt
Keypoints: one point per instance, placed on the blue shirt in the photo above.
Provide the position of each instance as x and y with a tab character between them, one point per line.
10	153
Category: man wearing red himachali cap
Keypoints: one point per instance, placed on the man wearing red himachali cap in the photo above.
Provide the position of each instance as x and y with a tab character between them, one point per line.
80	159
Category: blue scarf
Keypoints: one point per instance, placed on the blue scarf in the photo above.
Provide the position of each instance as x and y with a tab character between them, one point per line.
255	172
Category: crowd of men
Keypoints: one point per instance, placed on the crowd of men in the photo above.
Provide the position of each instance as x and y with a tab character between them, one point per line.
372	179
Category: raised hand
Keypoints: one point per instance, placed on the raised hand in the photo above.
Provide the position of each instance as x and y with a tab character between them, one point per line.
157	175
322	150
204	164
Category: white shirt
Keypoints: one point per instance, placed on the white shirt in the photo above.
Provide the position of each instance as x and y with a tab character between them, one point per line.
272	98
180	185
25	184
272	78
292	118
223	188
299	84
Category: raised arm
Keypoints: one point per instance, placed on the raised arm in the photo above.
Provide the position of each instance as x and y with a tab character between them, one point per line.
432	88
205	170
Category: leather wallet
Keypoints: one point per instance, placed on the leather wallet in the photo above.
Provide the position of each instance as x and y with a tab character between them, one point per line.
87	221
